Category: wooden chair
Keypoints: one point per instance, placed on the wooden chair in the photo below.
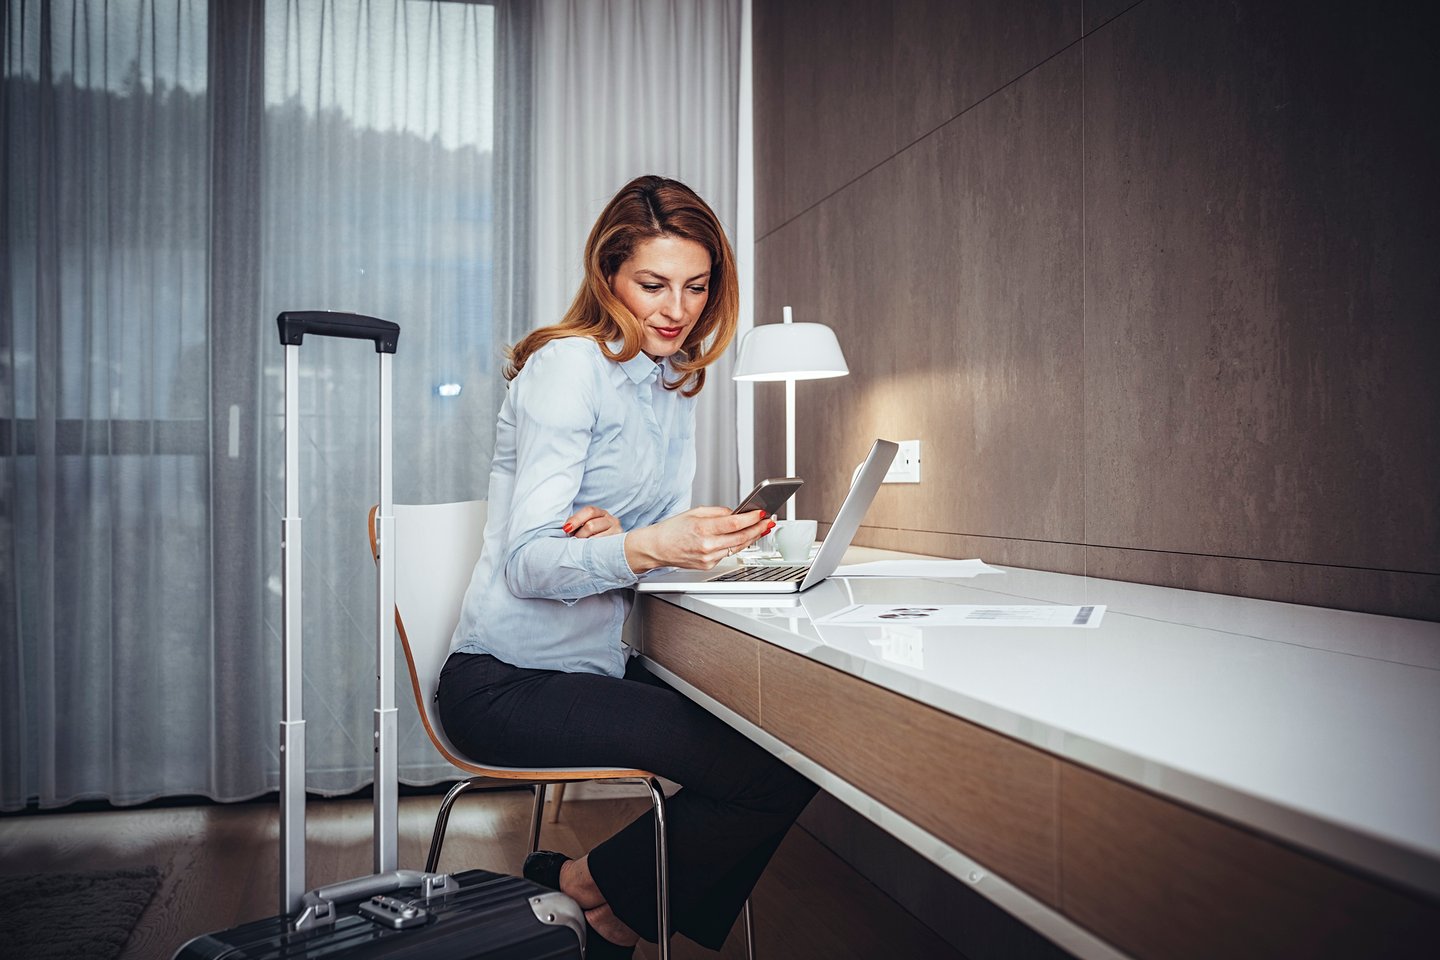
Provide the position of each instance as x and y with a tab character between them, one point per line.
436	548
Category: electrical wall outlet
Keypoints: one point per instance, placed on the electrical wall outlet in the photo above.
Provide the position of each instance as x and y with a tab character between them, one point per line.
906	466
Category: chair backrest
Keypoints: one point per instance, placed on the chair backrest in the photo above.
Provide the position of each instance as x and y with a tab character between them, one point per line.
436	549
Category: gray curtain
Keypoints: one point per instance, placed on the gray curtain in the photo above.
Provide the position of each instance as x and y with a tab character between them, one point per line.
176	172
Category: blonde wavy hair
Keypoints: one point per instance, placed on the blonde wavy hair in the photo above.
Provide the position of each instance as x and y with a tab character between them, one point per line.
645	208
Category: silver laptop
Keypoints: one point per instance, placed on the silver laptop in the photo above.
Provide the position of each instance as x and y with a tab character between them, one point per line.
790	579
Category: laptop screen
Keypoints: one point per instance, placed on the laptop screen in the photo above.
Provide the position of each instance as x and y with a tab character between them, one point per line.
852	511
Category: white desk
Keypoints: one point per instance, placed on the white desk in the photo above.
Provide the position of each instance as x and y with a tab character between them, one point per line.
1297	747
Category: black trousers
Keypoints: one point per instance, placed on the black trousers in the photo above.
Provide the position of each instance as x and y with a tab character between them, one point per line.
736	802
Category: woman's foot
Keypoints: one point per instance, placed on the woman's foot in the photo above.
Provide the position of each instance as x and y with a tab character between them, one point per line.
570	877
543	867
607	936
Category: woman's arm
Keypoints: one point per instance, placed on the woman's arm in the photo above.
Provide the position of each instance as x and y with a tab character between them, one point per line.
697	539
708	535
555	402
592	522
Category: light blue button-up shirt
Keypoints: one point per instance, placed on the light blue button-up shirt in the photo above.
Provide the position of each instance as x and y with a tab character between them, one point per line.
575	430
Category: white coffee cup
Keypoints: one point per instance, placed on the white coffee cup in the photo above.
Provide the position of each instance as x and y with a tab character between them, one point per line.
794	538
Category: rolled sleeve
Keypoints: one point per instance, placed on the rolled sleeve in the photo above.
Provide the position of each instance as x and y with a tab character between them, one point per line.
608	561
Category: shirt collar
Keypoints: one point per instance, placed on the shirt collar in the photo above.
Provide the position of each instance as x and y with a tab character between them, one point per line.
638	368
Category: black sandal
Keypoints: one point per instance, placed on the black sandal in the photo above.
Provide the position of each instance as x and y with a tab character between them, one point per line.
543	867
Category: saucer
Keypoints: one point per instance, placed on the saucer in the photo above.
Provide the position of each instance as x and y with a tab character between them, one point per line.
775	561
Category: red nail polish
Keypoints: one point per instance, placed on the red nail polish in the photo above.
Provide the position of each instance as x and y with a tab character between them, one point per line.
566	528
771	527
763	514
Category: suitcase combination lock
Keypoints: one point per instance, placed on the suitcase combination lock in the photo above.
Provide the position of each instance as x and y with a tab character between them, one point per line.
394	912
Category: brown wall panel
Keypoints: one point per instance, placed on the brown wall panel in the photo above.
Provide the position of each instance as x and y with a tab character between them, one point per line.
722	662
1261	292
1167	296
841	85
950	56
1098	12
768	111
958	306
1161	881
984	794
837	97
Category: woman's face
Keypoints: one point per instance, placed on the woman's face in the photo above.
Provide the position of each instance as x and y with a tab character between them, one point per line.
665	284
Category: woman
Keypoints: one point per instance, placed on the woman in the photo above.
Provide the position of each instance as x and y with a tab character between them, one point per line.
594	455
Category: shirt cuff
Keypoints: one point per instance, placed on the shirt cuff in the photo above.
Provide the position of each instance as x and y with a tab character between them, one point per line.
607	561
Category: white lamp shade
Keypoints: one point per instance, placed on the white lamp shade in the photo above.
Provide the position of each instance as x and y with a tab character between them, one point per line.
790	351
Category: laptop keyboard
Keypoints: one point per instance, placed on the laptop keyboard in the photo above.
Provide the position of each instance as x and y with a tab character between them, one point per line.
765	574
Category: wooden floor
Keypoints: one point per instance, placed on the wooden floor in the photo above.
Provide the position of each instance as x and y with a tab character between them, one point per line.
219	868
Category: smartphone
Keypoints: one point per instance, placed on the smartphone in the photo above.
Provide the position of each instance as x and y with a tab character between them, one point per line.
770	495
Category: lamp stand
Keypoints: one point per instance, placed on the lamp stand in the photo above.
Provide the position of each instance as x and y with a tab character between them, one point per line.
789	317
790	442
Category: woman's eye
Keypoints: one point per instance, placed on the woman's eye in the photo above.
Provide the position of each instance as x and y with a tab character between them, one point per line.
651	287
697	289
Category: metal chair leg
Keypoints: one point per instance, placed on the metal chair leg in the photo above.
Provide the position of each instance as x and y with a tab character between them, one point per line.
662	853
749	931
442	820
662	869
538	809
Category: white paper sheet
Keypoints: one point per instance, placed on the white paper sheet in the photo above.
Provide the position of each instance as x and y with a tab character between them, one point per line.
916	568
965	615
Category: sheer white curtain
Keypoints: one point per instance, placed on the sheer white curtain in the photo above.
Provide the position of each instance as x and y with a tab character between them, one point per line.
176	172
623	88
377	197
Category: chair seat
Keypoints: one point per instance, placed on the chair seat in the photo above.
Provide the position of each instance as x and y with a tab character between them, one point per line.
550	774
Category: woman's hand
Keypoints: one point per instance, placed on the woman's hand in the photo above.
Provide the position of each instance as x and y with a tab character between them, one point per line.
592	522
694	540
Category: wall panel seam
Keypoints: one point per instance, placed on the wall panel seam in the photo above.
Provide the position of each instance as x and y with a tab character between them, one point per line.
916	142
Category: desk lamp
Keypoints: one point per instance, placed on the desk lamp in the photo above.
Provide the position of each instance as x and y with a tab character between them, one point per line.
790	351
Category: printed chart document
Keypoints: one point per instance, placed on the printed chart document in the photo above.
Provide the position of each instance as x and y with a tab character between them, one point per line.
916	568
965	615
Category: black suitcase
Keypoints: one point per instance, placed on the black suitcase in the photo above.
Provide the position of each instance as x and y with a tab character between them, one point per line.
481	914
391	913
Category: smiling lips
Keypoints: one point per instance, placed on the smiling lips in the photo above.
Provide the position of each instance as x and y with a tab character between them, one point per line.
669	333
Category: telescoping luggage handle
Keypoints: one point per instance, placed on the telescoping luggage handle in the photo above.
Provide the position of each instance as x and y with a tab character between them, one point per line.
293	326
